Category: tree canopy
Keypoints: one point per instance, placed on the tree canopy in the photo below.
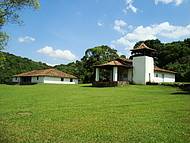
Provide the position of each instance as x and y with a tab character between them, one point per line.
9	13
84	69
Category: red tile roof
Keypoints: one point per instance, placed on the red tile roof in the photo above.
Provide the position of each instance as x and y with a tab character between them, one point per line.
118	62
46	72
162	70
143	46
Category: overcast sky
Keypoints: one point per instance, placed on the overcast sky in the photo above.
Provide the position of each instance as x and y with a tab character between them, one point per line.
60	31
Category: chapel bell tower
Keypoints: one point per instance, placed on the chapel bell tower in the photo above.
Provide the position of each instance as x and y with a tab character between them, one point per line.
143	64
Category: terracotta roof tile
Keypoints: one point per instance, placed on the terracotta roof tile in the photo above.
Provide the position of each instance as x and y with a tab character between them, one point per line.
117	62
163	70
46	72
143	46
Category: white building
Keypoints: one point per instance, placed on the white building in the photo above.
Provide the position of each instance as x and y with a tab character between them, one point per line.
51	76
139	70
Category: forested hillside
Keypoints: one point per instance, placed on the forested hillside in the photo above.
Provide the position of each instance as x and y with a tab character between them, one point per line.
11	65
173	56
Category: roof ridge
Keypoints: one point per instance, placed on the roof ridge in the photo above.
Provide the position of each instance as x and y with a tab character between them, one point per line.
47	72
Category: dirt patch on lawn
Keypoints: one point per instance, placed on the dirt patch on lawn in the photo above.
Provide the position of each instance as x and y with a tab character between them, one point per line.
24	113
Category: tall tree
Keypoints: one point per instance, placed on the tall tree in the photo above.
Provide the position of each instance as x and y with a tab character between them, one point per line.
95	56
84	69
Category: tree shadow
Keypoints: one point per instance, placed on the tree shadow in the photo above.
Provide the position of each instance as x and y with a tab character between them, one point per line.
91	86
181	92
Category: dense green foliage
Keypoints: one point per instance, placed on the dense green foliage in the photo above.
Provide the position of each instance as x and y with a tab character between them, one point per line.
80	114
14	64
174	56
94	56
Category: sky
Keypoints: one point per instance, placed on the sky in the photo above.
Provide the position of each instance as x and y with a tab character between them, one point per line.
62	30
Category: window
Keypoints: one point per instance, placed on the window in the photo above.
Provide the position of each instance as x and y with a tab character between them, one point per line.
156	75
62	79
15	78
71	80
37	77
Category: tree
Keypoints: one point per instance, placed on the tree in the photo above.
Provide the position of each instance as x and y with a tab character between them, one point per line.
84	69
95	56
123	56
9	14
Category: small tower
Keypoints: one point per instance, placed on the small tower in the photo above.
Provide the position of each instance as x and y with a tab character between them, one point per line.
143	64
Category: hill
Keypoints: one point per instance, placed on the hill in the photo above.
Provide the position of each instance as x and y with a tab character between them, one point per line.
11	65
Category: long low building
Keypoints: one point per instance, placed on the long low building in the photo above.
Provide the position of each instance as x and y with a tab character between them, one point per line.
51	76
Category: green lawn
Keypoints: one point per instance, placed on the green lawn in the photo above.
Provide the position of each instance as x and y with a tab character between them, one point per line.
78	113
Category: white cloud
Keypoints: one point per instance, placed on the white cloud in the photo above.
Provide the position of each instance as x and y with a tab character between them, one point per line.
130	6
130	27
177	2
162	30
100	24
119	26
26	39
57	53
52	65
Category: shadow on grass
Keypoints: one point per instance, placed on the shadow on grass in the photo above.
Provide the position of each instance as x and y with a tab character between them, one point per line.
91	86
181	92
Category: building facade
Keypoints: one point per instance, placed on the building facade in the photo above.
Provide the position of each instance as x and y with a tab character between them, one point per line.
50	76
140	70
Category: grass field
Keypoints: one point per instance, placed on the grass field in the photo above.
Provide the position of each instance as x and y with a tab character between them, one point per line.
78	113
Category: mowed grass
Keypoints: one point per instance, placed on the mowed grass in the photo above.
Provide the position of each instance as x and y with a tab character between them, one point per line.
78	113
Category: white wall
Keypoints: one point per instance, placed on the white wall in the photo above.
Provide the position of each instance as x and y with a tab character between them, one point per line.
164	77
57	80
53	80
143	69
76	81
16	79
149	69
38	79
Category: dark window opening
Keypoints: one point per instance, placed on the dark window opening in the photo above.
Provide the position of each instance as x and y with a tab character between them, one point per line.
71	80
156	75
62	79
149	78
37	77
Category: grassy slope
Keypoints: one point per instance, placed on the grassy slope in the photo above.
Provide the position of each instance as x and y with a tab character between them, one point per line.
61	113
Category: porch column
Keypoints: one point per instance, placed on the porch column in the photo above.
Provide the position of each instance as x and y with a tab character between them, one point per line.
97	74
115	73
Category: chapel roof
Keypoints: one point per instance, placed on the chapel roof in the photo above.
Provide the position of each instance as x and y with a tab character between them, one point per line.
143	46
117	62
